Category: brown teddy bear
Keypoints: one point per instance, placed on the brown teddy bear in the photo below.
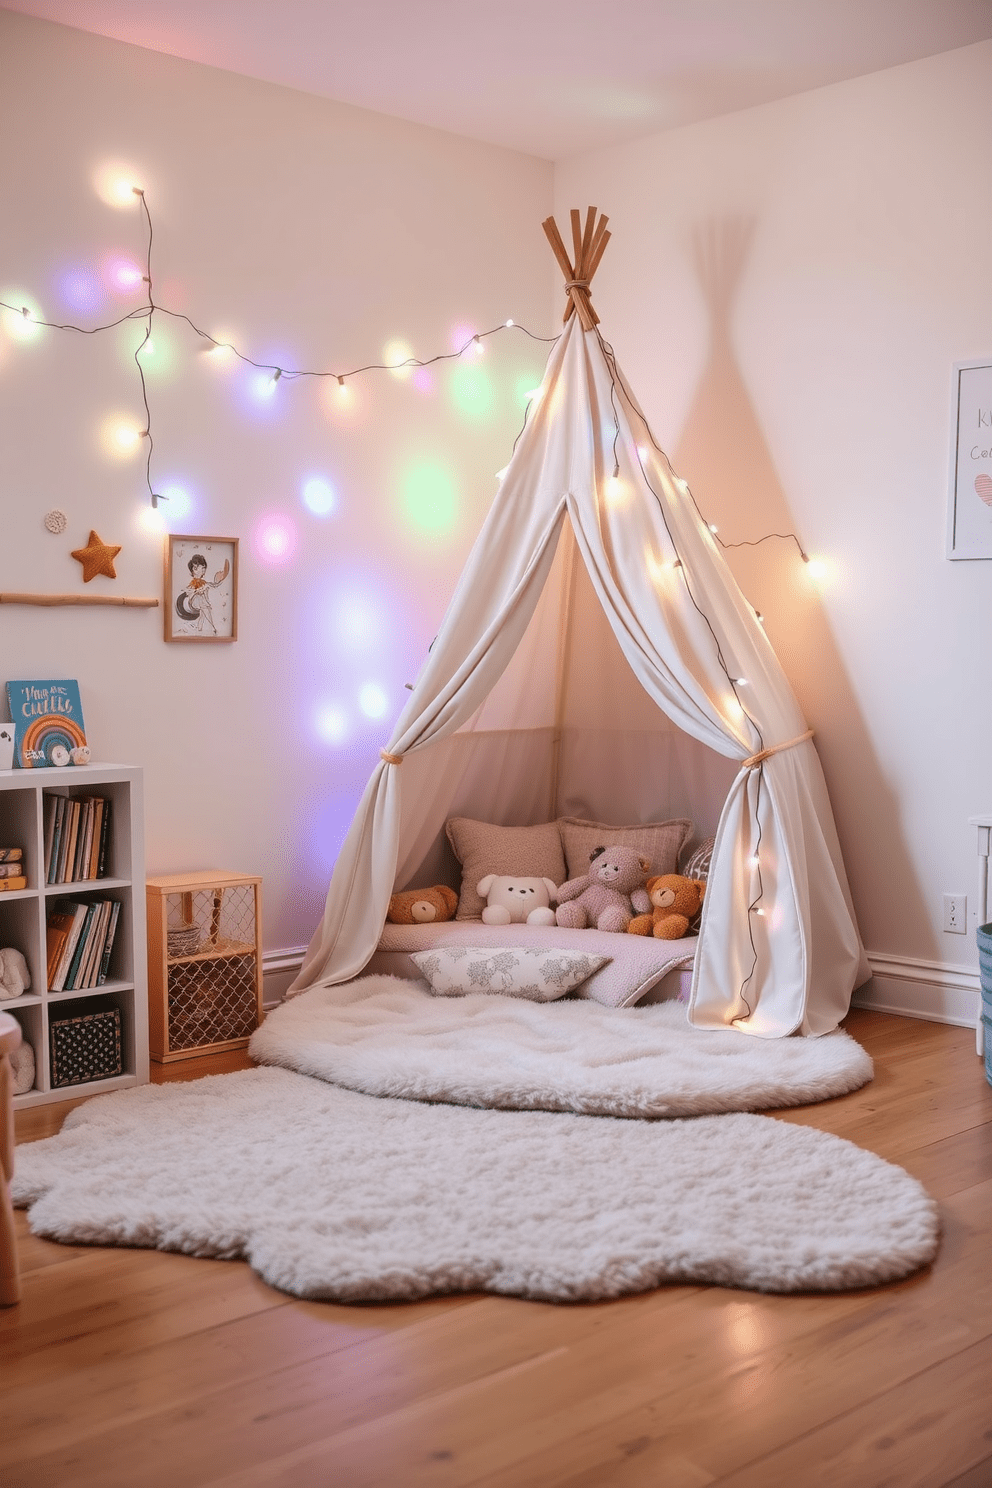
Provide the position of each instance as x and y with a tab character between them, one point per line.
421	906
676	900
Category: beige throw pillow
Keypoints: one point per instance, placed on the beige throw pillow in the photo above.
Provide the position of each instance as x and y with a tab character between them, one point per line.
482	848
660	841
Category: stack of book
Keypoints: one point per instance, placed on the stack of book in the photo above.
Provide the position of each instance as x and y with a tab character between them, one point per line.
76	831
80	939
11	870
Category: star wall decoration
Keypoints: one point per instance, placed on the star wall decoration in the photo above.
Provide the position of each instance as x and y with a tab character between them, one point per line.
97	558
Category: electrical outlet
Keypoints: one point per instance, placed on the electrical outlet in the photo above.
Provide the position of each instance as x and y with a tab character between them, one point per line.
956	914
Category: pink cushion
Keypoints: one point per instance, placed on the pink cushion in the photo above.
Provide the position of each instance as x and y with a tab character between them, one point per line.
482	847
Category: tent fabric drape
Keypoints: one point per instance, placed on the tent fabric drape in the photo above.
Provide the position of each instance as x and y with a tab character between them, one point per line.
779	949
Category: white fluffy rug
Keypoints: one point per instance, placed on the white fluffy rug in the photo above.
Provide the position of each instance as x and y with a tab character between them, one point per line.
387	1036
333	1194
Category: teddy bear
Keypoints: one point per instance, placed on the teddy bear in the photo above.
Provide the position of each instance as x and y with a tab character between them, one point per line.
515	900
608	894
421	906
676	902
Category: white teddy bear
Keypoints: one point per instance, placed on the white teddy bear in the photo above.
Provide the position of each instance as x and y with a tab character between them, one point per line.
15	977
515	900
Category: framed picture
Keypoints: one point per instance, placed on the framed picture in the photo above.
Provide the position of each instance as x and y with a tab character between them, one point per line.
201	588
969	504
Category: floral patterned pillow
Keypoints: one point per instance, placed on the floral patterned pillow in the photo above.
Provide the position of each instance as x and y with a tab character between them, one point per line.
514	971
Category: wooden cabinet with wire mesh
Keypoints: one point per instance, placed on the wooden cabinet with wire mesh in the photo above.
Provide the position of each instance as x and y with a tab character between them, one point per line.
204	962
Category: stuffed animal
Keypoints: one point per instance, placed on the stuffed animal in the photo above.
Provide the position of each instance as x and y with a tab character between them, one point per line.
516	900
608	894
676	903
421	906
14	975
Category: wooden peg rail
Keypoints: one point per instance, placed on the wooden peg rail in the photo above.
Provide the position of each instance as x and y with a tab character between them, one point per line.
79	599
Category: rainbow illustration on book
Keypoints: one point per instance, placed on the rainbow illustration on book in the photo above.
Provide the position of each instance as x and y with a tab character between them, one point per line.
48	724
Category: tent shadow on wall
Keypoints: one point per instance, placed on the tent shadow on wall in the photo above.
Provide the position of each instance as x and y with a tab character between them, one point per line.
723	454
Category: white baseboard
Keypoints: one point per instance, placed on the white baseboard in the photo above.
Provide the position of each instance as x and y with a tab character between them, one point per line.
279	969
932	990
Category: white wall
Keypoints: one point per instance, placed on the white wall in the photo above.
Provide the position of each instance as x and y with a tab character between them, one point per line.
314	234
847	233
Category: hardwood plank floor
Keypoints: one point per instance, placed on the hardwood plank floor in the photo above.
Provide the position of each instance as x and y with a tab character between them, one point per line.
144	1369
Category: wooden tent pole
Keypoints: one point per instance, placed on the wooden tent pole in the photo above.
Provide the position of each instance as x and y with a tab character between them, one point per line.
588	243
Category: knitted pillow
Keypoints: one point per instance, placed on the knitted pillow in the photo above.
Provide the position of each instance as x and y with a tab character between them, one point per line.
697	864
481	848
660	841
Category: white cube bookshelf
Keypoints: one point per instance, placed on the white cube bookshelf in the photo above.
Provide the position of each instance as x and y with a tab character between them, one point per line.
24	918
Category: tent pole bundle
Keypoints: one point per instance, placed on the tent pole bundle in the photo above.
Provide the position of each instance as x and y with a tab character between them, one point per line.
589	246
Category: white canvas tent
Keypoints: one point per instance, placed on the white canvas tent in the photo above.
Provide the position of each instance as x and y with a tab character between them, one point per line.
598	658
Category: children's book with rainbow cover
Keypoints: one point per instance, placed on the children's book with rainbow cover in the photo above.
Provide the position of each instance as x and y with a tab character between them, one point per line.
48	723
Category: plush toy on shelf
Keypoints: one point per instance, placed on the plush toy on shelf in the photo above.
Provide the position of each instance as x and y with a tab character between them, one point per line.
512	900
676	902
14	975
607	896
422	906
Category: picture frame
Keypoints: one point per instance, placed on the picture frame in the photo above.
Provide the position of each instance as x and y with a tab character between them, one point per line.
201	588
969	501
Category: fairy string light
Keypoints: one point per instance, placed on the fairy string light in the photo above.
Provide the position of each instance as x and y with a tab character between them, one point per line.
150	308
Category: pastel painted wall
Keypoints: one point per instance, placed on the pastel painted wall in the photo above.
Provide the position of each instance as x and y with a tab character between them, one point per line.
314	235
787	290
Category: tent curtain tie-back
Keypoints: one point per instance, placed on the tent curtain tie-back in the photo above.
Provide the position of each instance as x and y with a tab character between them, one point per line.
763	754
391	759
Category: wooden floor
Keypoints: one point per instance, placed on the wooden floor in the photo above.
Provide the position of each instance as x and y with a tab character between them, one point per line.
134	1369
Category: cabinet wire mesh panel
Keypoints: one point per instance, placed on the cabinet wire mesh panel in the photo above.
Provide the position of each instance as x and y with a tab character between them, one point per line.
204	962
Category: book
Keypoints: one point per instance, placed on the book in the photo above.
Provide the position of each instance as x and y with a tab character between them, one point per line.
56	935
11	885
10	854
115	910
53	860
94	862
104	858
48	722
78	911
85	839
11	870
94	945
71	981
49	807
70	831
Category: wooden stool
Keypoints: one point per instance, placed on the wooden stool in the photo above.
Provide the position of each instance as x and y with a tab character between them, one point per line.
10	1282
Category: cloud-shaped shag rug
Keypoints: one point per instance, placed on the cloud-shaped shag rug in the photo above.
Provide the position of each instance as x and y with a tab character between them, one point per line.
329	1193
388	1036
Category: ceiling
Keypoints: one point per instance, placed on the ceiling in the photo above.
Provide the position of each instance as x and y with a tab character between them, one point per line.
550	77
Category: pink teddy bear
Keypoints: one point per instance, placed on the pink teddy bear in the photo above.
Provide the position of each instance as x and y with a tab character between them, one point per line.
609	894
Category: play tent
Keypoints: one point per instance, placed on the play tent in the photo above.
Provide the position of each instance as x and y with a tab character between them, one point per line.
598	659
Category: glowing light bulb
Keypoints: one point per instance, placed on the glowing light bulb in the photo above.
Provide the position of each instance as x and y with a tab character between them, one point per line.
479	348
372	700
501	473
508	323
275	538
642	453
533	395
115	184
755	861
151	519
713	527
759	617
21	324
318	496
398	358
122	437
613	488
815	567
760	912
331	724
740	681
